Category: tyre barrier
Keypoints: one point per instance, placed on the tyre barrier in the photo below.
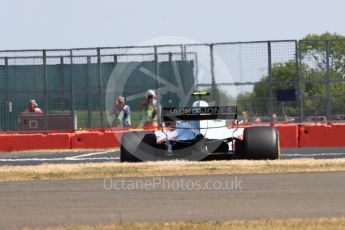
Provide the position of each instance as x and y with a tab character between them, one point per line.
288	135
291	136
321	135
96	139
36	141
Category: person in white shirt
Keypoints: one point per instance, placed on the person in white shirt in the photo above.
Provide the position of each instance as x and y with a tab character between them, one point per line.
33	107
121	113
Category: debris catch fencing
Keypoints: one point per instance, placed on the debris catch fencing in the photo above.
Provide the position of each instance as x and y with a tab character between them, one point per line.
293	80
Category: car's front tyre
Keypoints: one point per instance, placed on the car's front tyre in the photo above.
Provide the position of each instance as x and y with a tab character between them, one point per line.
261	143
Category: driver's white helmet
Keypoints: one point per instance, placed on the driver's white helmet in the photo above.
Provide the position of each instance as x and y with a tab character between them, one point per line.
200	104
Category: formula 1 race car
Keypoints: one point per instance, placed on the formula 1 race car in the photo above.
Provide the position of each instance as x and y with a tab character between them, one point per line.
200	132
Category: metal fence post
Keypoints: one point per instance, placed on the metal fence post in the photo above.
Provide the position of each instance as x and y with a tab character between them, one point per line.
300	80
170	74
270	86
296	78
88	92
45	90
7	97
171	58
156	71
72	92
182	68
115	60
183	52
328	82
196	81
170	55
100	90
216	97
62	76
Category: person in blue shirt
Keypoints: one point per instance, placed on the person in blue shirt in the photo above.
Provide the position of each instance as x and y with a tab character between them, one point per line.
121	113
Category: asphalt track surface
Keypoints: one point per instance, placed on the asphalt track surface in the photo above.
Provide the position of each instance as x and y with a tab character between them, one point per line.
113	155
211	198
208	198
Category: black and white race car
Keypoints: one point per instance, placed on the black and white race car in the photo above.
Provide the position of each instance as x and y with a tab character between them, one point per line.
200	132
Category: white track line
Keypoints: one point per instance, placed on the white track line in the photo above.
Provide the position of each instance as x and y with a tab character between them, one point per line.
58	159
83	157
311	154
91	154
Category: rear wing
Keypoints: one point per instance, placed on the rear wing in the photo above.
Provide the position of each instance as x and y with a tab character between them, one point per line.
199	113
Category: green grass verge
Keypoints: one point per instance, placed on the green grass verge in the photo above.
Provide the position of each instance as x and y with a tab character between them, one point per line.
305	224
136	117
168	168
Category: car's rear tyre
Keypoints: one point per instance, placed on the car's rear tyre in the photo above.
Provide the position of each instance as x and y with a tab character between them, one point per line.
127	140
261	143
239	149
126	156
134	143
